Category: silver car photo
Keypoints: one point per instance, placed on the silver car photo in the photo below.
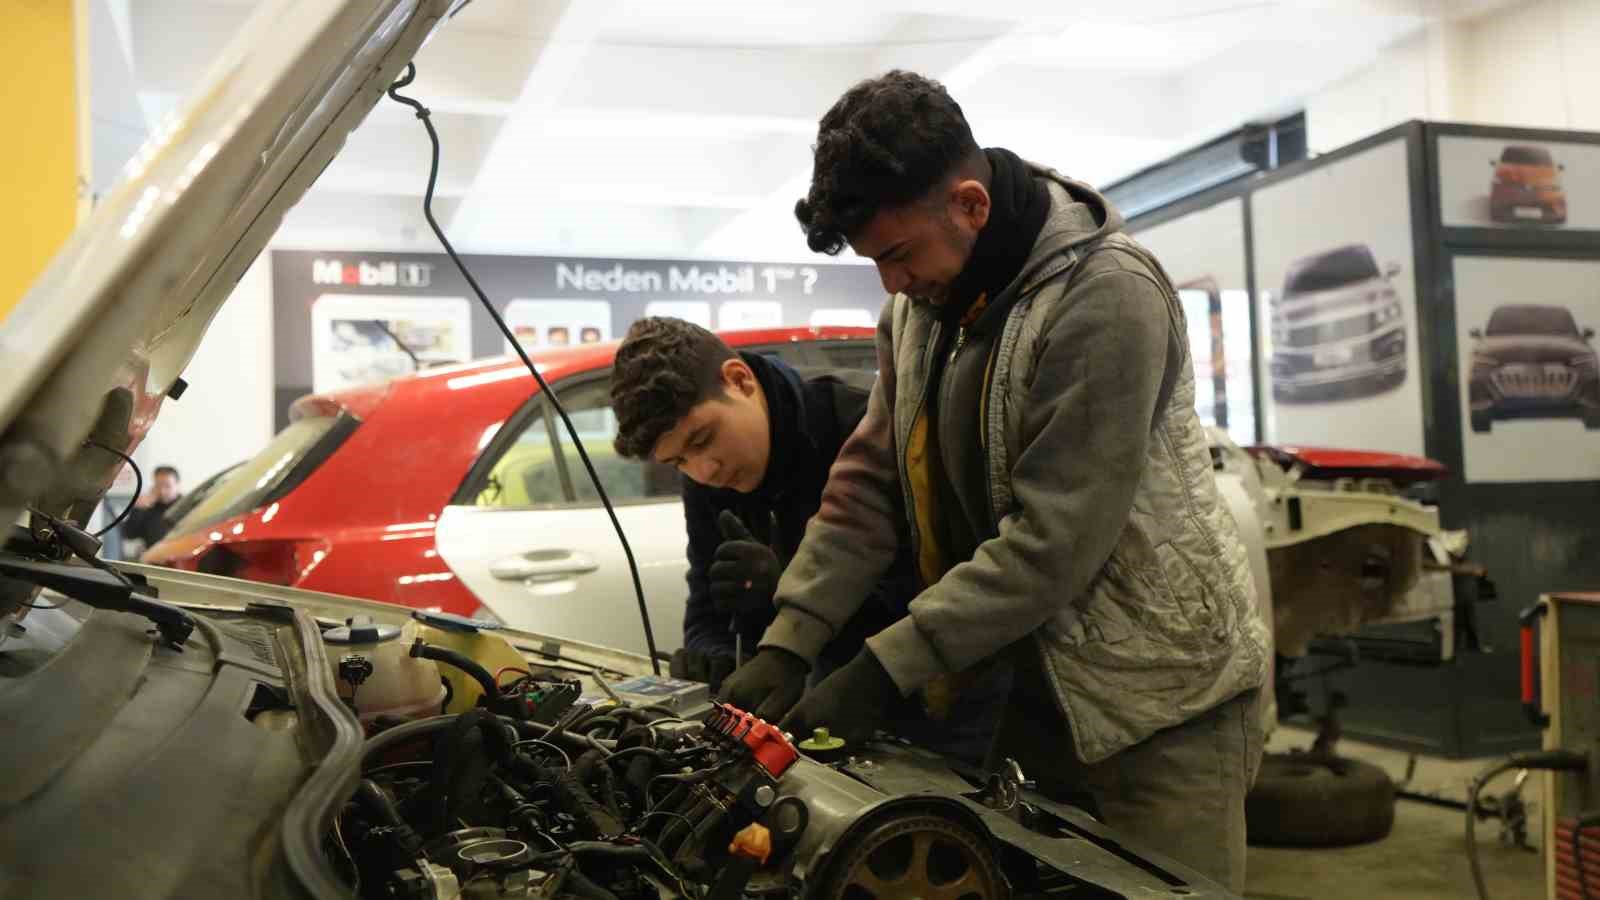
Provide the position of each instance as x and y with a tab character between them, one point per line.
1338	330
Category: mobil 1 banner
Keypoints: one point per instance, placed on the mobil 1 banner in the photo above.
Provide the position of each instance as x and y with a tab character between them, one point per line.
342	318
1337	305
1530	377
1524	183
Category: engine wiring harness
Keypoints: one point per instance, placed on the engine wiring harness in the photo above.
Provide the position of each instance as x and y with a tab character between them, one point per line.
602	801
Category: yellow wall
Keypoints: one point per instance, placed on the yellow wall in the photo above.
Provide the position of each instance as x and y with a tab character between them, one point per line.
39	161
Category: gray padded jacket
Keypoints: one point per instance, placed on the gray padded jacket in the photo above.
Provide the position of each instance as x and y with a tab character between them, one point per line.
1106	543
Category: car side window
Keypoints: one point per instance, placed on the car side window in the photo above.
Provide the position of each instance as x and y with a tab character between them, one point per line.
535	469
526	473
626	480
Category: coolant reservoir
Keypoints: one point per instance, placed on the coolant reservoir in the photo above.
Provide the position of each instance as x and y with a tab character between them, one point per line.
473	639
373	664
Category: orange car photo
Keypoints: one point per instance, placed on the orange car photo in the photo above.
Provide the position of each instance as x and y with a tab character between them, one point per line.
1527	187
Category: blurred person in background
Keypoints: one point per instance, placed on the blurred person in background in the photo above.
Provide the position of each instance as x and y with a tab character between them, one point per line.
147	524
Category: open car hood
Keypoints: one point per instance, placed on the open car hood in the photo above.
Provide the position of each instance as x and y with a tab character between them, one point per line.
99	342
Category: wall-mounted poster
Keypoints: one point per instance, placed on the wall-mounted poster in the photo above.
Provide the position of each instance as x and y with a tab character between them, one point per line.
737	314
1530	379
359	339
1337	305
559	301
843	317
543	323
1521	183
1204	253
688	310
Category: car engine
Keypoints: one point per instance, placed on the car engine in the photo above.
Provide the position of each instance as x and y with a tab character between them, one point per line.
625	803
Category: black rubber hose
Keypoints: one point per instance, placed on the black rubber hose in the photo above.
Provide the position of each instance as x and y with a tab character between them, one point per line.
599	722
377	802
681	829
730	884
671	802
1549	760
637	777
380	806
591	768
608	791
535	731
491	692
613	852
574	717
569	793
714	818
579	885
644	714
588	810
385	740
461	764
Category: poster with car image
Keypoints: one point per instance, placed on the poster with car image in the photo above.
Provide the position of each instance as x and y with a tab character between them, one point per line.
544	323
1203	251
1337	305
842	317
360	339
741	314
1518	183
695	311
1530	379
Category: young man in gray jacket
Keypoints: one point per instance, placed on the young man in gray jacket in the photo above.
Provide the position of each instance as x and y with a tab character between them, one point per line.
1033	424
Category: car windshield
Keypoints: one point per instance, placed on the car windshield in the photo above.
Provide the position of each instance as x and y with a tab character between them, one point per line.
1551	320
287	459
193	498
1344	266
1526	156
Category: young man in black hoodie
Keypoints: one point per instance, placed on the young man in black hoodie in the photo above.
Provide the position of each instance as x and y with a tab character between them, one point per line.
1033	431
754	440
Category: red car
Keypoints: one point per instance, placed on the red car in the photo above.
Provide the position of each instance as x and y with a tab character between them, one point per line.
457	489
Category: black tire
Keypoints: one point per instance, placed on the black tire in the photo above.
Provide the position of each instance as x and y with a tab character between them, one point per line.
1482	423
1592	423
1301	801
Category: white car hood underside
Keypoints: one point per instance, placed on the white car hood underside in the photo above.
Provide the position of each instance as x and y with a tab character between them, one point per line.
93	348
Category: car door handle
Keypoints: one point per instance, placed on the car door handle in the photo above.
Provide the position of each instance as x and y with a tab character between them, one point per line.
543	564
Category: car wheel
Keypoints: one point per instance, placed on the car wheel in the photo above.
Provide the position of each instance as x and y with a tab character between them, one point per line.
1482	422
1592	422
1304	801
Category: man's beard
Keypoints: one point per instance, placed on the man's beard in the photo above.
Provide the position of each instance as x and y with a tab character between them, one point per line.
932	298
937	295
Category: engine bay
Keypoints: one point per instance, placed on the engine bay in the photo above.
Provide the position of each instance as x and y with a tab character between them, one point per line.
548	788
296	744
594	802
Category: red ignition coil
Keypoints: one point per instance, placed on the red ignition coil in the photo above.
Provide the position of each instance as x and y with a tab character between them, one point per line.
766	744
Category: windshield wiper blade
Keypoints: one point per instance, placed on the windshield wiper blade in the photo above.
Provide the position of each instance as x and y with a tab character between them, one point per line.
103	590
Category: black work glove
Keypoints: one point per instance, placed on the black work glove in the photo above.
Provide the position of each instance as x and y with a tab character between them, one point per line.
698	665
850	703
768	684
745	574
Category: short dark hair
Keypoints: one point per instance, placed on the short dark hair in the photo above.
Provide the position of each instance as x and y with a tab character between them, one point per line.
167	470
664	368
886	143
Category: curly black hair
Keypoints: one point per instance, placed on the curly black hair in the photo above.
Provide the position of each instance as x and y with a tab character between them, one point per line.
886	143
664	368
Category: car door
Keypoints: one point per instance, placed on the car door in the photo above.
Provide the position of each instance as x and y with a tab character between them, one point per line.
529	537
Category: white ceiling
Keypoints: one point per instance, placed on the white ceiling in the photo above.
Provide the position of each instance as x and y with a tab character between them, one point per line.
644	127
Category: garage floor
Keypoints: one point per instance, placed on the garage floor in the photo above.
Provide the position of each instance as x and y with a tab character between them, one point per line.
1422	859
